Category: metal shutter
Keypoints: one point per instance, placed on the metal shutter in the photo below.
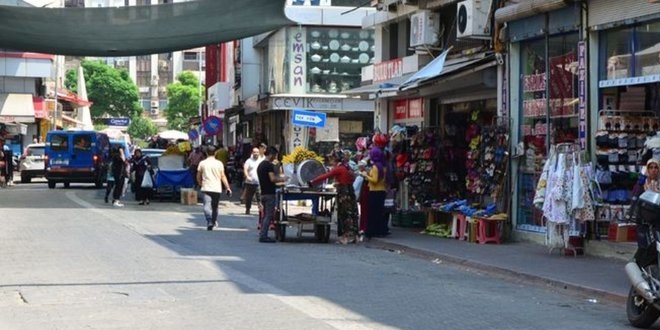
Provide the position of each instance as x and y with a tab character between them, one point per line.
604	12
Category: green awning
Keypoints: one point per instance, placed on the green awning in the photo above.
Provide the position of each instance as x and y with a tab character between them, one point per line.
136	30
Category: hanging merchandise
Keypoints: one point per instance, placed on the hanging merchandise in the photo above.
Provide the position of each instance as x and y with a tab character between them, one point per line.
567	195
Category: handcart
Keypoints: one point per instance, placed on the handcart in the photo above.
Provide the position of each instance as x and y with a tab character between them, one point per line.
320	224
170	177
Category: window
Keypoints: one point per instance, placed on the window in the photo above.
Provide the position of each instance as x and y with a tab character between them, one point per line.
59	142
82	142
549	113
619	45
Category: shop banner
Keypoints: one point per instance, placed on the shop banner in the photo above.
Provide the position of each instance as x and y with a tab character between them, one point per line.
330	132
408	109
298	64
582	93
298	137
400	109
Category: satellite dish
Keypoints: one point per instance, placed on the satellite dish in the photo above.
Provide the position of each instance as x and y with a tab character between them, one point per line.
309	169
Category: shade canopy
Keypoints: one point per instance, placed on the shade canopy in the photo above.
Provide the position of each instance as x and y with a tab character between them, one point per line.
136	30
173	135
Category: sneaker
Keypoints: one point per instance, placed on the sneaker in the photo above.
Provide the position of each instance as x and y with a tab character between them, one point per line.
266	240
117	204
209	227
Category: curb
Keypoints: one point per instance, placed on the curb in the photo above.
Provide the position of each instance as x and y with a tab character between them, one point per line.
501	272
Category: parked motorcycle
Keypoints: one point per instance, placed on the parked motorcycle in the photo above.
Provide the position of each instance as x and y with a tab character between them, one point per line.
643	303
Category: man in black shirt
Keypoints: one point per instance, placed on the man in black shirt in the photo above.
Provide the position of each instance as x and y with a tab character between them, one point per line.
267	183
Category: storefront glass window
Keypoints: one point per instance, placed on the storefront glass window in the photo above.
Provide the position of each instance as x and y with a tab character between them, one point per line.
549	112
335	57
617	45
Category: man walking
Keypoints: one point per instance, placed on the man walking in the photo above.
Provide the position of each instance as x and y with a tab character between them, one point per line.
211	177
251	179
267	183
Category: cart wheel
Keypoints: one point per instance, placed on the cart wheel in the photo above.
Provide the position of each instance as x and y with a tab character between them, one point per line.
280	232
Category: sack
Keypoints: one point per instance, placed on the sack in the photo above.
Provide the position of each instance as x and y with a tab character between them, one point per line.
147	181
357	186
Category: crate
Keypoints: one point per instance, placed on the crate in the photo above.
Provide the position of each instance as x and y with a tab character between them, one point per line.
413	219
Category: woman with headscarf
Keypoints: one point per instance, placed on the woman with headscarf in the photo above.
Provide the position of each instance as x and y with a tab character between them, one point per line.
375	178
141	165
118	169
649	182
347	213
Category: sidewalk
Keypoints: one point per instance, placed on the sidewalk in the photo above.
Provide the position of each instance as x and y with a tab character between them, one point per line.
591	275
595	277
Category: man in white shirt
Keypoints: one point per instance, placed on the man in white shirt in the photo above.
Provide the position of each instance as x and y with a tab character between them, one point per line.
211	177
251	179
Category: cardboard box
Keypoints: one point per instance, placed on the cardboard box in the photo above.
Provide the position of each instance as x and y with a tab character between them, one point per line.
621	232
188	196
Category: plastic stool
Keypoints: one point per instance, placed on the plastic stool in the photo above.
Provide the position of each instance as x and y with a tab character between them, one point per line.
488	231
462	227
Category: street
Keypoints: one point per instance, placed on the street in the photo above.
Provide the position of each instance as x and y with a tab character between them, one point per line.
70	261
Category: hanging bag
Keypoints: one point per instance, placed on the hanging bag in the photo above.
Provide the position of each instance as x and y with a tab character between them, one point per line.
147	181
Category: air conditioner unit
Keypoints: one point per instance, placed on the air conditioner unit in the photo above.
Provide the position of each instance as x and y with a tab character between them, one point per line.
472	19
424	27
154	104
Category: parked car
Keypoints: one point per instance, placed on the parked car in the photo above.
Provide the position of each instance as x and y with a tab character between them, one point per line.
31	163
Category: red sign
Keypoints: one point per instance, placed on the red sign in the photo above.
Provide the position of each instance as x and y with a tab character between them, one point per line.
408	109
388	70
400	109
415	108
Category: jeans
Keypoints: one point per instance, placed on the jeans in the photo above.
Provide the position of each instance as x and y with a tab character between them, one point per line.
268	202
211	201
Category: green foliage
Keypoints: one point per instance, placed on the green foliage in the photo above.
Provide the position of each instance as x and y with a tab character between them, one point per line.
112	90
183	99
141	127
100	127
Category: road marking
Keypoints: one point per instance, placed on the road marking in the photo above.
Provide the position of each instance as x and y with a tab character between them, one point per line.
316	308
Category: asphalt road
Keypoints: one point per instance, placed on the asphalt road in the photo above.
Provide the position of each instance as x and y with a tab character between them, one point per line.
70	261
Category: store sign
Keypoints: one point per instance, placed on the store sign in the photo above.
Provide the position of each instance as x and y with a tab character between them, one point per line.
298	65
388	70
582	94
408	109
415	108
299	136
117	121
629	81
309	103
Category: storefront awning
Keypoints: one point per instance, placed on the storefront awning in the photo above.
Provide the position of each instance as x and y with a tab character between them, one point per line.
16	107
71	120
71	97
136	30
381	87
438	68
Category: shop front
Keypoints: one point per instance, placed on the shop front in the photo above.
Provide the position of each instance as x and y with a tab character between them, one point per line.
548	93
625	110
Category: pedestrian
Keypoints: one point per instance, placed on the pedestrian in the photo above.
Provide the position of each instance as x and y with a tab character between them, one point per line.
346	205
211	177
110	179
9	164
377	191
222	155
141	165
251	179
267	184
194	158
364	196
119	165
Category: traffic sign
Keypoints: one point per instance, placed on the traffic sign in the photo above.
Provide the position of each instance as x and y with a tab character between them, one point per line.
308	118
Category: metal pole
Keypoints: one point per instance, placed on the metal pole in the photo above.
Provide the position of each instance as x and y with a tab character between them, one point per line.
199	110
57	79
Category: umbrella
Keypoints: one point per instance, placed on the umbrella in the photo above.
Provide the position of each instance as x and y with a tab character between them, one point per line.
113	133
173	135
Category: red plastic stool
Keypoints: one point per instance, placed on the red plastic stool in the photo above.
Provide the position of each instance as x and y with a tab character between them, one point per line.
461	226
488	231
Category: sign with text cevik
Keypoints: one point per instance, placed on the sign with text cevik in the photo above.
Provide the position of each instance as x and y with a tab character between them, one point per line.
308	118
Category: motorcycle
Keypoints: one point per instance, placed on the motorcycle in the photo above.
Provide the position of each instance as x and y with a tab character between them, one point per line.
643	302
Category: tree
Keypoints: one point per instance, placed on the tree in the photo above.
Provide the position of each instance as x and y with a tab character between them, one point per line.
112	90
141	127
182	101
